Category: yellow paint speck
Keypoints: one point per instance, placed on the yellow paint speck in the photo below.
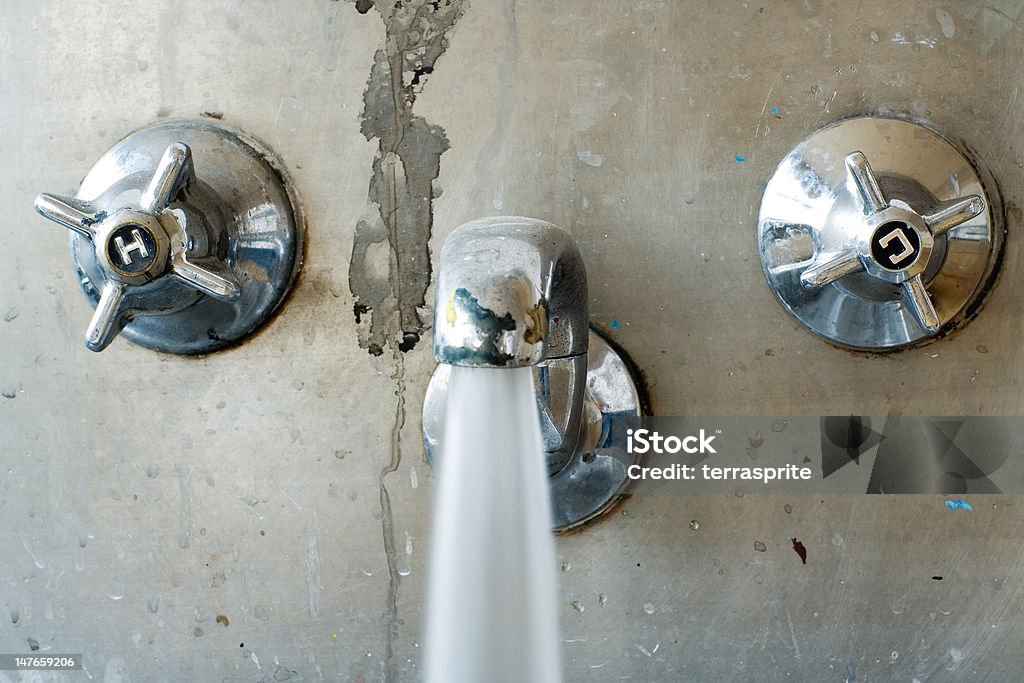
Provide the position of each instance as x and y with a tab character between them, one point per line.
451	307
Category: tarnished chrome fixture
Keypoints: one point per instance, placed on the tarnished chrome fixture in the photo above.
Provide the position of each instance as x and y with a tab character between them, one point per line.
179	263
512	292
878	233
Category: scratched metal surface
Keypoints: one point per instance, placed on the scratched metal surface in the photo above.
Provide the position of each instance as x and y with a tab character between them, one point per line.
223	518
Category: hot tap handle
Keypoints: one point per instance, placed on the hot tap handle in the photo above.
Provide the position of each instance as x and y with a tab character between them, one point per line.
137	243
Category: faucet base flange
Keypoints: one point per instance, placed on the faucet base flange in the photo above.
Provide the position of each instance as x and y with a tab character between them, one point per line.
828	249
594	479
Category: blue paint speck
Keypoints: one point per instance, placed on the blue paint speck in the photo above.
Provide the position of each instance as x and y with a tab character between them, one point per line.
614	324
739	158
958	504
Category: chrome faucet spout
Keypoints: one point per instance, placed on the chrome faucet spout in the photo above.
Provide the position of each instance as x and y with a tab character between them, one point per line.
511	292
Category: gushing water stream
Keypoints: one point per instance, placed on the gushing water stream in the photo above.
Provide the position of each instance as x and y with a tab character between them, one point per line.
492	608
